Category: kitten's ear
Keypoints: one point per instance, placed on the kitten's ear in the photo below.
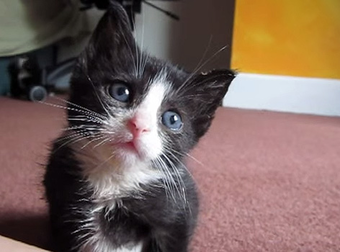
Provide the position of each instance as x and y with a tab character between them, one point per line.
112	39
208	90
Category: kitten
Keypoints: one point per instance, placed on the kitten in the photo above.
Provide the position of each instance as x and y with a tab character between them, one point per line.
116	180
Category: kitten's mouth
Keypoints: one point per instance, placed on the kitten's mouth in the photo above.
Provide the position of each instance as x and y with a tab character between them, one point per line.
128	147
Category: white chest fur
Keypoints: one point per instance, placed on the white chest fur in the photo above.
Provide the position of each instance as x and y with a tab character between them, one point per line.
110	180
100	244
109	177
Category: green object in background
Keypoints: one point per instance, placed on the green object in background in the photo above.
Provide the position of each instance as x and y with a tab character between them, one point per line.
30	25
4	76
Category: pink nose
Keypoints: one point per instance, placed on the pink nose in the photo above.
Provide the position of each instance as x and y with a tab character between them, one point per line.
136	127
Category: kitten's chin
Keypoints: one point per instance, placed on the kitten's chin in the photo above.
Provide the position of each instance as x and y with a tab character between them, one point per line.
134	151
129	152
128	146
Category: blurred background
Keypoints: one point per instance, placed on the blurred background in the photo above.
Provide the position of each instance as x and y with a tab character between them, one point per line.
51	32
287	52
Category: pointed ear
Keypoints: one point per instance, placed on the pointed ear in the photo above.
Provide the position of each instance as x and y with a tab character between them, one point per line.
208	90
112	40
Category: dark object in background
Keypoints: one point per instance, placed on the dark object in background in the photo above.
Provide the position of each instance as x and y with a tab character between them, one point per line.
131	7
35	81
32	80
104	4
26	78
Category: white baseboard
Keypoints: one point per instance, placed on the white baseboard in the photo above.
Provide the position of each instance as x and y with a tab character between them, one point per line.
283	93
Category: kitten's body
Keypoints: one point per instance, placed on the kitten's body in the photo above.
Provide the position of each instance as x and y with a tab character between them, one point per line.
116	181
134	218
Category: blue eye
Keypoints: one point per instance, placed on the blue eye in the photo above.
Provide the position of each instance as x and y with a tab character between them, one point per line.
172	120
120	92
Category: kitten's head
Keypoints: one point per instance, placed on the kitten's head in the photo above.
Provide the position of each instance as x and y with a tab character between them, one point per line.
143	109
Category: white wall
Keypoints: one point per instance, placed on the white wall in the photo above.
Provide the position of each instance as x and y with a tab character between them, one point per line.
283	93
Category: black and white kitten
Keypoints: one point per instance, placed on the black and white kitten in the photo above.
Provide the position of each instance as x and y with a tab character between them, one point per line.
116	182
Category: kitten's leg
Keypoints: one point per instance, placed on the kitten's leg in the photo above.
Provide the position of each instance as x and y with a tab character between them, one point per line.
151	246
66	232
176	240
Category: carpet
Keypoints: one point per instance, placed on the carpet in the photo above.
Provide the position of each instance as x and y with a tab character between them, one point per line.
267	181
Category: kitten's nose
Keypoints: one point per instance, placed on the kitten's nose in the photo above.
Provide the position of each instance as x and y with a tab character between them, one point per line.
137	127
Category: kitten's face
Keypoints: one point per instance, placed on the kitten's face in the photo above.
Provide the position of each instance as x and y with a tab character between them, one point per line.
144	109
137	124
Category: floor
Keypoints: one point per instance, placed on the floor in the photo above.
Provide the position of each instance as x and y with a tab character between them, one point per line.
268	181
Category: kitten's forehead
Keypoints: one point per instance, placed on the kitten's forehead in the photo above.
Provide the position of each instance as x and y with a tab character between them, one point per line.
158	89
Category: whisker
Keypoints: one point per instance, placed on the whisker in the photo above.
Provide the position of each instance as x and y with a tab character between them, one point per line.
136	46
87	127
85	113
168	181
84	118
142	47
172	151
183	155
195	159
73	128
204	54
96	93
213	56
91	141
75	133
200	67
104	162
130	49
181	188
80	107
73	141
102	142
176	173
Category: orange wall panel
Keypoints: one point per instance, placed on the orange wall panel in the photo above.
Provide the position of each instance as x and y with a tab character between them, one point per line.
288	37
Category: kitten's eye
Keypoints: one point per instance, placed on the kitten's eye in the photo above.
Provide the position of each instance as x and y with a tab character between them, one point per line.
120	92
172	120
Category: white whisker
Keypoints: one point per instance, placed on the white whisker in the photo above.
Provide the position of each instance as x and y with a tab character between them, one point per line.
91	141
81	107
178	176
73	141
83	112
198	68
102	142
96	93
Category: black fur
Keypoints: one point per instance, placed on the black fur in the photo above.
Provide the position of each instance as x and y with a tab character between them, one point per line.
149	215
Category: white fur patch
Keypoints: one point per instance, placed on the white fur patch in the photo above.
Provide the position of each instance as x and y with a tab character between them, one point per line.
150	144
98	243
133	248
